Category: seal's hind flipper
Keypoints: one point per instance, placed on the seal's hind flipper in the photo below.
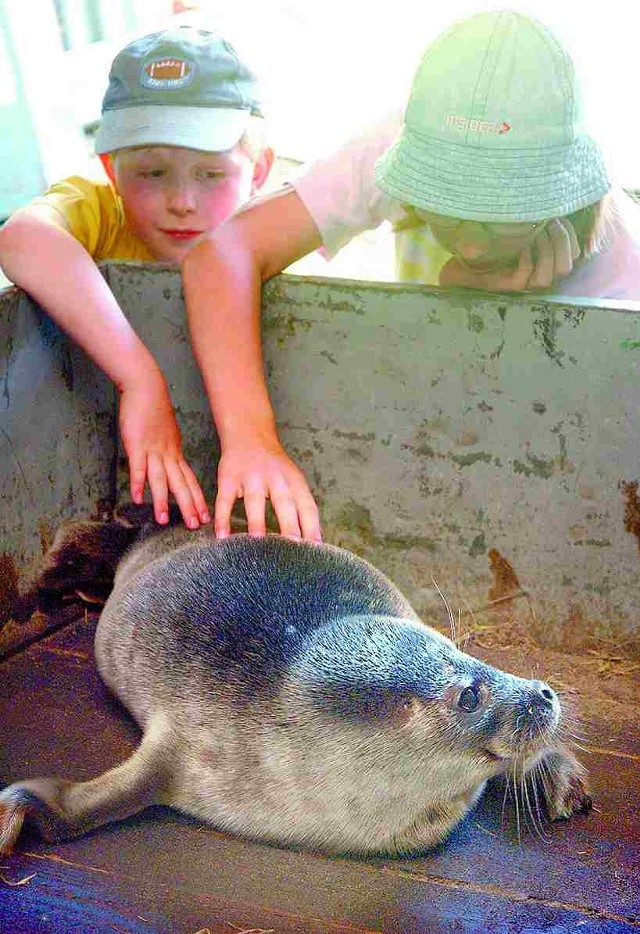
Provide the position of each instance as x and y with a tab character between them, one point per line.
83	557
12	814
60	809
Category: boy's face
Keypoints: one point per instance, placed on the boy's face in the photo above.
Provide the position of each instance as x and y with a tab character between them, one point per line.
172	197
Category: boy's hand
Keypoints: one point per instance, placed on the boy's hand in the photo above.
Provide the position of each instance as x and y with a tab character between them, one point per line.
550	257
151	439
256	473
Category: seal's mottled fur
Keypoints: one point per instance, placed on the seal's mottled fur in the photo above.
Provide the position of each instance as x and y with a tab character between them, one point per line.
288	692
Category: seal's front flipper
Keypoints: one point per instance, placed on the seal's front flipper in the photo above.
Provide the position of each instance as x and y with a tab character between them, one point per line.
563	783
60	809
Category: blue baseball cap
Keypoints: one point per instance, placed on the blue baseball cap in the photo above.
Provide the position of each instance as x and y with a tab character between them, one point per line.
180	87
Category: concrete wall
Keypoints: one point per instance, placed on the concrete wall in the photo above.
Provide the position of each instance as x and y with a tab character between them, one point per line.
57	423
486	443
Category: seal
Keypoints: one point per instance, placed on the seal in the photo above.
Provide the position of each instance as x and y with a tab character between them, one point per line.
288	692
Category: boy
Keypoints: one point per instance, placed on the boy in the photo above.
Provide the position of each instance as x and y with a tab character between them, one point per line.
181	141
492	160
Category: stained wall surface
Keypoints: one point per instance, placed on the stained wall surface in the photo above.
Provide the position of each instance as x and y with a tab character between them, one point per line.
483	445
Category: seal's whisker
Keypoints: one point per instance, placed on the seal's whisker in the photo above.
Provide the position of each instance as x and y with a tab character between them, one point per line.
580	746
570	712
537	818
452	621
576	740
576	735
517	803
573	730
468	612
536	789
527	809
505	797
543	770
569	729
462	640
533	775
546	778
570	716
514	779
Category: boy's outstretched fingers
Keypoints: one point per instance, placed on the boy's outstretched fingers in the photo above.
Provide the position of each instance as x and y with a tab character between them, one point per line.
255	503
151	439
296	509
225	500
259	474
187	493
158	486
285	508
171	476
310	518
137	476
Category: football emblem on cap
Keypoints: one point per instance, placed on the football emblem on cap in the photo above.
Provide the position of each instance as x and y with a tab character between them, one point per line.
167	73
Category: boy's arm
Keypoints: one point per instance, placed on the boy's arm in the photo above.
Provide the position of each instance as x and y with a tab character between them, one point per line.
222	279
40	256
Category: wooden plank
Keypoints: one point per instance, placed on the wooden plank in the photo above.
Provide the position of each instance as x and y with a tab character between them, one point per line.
203	883
58	718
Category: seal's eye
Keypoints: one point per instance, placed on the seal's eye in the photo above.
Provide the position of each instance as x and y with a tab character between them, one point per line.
469	698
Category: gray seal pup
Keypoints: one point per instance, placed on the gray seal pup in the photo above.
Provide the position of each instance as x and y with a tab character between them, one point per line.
288	692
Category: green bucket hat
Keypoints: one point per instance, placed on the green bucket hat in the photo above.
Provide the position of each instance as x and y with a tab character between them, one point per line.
493	128
180	87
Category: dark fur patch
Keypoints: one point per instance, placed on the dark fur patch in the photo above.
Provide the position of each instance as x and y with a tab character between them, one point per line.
245	606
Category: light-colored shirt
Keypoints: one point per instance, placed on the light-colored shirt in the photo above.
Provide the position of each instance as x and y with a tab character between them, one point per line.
340	193
93	213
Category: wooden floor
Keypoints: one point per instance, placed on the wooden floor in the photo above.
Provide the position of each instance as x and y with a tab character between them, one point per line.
162	872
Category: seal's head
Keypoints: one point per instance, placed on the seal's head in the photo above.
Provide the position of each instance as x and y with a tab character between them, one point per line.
417	724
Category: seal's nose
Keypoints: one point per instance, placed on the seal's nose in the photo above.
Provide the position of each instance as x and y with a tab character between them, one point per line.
544	695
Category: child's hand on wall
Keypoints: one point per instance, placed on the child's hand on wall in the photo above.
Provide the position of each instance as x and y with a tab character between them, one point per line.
259	472
152	442
548	259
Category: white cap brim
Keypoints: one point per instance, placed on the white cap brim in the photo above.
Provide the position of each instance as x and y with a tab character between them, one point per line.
209	129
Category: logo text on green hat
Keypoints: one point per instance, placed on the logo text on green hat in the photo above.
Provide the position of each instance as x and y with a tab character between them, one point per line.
476	126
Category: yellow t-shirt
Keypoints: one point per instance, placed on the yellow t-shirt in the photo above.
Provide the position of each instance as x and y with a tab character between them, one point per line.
93	213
